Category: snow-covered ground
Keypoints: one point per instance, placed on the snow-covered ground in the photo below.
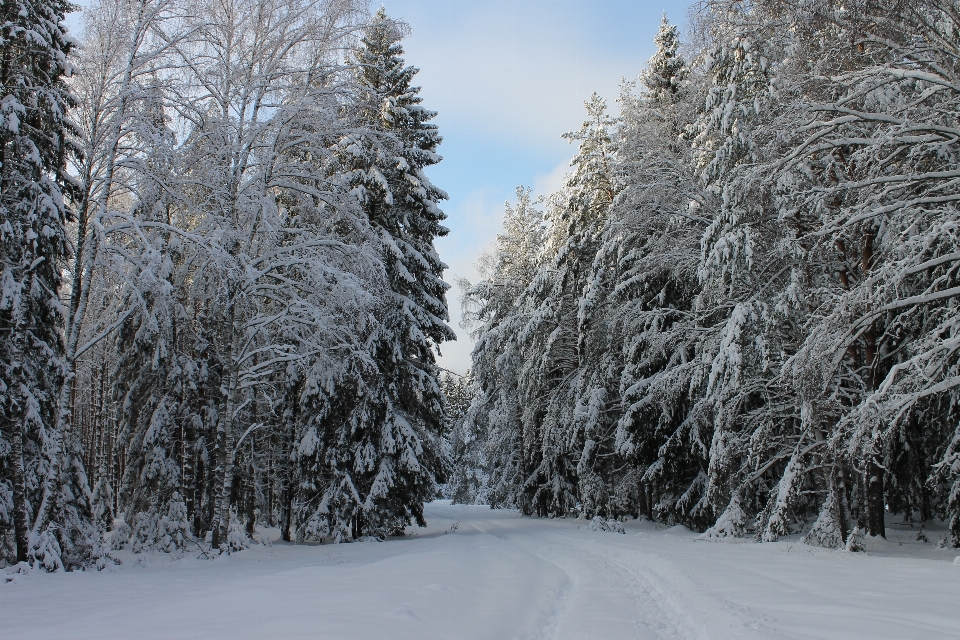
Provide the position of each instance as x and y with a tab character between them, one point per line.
479	573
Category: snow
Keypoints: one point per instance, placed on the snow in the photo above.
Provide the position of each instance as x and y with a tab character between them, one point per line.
481	573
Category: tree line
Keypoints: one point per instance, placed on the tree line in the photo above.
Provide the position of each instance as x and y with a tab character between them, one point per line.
740	311
220	296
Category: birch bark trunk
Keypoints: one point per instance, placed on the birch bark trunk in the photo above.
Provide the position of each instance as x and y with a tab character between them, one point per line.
223	473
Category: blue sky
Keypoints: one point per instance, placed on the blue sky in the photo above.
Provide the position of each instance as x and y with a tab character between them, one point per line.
508	78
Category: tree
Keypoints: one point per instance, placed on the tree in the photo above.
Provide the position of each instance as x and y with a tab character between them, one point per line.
120	281
666	70
493	311
285	258
529	354
754	333
45	492
467	479
385	452
875	161
642	299
557	335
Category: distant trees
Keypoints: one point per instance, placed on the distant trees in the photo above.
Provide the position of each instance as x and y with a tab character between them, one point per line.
758	333
236	310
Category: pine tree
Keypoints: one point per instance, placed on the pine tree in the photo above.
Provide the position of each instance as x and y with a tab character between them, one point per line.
879	180
640	301
415	324
558	332
463	448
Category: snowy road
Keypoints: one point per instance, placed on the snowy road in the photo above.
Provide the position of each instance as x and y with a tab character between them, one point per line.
497	575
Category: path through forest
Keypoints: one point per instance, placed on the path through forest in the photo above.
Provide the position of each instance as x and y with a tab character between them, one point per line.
481	573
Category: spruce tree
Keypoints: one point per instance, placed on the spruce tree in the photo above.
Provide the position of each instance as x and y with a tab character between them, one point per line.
393	456
493	308
666	70
44	488
556	334
636	307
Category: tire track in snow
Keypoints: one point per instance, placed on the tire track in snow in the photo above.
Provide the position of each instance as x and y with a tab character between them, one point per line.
656	613
659	614
737	621
550	620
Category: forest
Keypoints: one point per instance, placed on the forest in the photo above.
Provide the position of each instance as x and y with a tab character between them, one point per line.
220	294
221	300
740	312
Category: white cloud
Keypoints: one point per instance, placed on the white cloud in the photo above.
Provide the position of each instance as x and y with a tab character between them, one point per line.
547	183
514	70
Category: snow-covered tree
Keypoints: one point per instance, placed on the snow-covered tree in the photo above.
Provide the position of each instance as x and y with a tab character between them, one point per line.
274	228
530	342
468	479
558	336
382	443
45	495
492	310
121	282
874	163
666	70
643	291
758	335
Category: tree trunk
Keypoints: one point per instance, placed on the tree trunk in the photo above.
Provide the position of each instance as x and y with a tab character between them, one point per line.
197	492
875	502
287	512
642	499
224	470
21	519
874	467
111	465
251	500
187	479
188	482
838	486
270	517
651	498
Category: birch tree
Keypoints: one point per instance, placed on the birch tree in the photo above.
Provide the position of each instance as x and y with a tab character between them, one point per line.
257	95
